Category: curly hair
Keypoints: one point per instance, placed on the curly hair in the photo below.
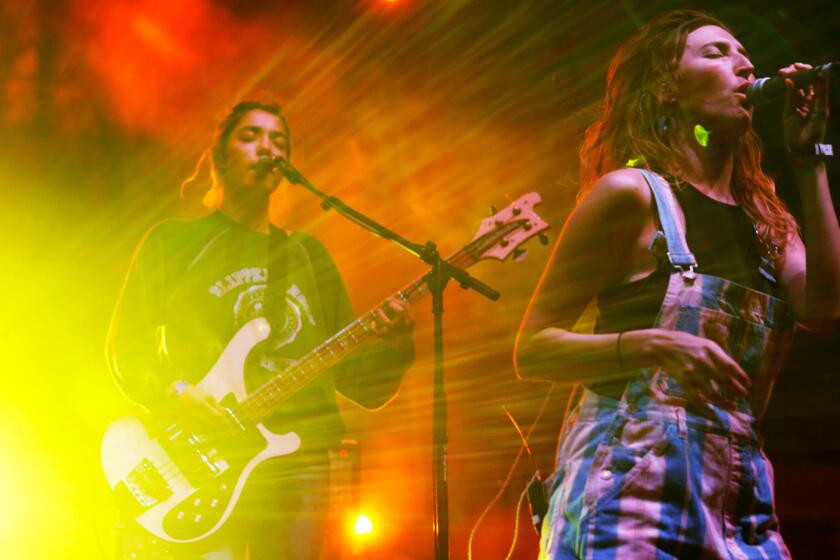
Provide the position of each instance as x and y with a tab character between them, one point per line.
644	69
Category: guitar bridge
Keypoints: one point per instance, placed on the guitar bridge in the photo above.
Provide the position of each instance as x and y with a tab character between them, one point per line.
144	486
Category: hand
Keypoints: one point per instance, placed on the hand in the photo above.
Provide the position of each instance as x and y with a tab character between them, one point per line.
393	319
194	410
806	110
699	364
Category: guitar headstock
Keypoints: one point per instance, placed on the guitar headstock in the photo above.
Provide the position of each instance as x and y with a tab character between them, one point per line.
501	234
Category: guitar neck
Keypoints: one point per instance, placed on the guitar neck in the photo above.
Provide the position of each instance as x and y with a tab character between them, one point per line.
261	403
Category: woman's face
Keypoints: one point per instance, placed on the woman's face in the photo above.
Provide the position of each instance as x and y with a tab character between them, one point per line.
712	76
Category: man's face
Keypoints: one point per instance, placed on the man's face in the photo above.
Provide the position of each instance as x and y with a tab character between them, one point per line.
259	135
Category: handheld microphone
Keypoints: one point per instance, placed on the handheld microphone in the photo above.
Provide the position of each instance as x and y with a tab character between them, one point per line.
765	90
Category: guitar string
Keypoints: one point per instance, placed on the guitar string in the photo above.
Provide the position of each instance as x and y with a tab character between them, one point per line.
265	398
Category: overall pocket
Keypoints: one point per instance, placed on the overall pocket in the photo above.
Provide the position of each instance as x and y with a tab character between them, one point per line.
742	340
629	462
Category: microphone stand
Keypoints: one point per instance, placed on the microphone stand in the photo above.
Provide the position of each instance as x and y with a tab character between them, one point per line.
436	279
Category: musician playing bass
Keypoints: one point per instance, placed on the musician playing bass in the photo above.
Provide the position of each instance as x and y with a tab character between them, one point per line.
194	284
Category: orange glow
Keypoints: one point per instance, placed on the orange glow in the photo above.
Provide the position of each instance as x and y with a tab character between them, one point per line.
419	114
158	59
405	143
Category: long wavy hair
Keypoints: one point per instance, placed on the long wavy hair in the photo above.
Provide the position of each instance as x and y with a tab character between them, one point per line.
641	76
215	156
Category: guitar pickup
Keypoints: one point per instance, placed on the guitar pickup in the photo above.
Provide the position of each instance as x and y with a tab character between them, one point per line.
142	488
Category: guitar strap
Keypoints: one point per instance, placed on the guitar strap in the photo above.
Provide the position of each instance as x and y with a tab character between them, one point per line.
277	260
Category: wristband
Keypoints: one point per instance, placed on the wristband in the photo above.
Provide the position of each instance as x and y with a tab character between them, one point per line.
805	156
618	352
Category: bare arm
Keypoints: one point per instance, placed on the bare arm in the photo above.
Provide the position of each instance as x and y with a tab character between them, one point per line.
811	271
586	258
604	244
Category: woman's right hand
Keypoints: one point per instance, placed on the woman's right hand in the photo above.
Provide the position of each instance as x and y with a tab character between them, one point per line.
194	410
699	364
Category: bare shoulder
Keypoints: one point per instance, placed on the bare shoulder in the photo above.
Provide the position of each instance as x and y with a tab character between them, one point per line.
623	192
626	184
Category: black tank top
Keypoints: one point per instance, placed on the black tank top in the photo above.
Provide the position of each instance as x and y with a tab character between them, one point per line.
724	243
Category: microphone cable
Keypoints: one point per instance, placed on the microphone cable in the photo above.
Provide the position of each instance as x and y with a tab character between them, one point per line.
506	482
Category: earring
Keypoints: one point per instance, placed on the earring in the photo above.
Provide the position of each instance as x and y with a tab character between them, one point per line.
665	125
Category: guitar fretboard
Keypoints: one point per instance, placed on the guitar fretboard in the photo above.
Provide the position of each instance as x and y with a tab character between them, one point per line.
261	403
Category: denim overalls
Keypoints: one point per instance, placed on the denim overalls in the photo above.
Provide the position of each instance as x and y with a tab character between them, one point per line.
659	475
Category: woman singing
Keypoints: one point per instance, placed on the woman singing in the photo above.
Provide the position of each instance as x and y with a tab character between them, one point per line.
699	275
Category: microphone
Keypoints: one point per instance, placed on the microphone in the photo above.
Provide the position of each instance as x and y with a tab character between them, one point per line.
289	172
765	90
267	165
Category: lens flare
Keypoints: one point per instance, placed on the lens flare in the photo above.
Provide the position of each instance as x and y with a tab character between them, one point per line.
363	525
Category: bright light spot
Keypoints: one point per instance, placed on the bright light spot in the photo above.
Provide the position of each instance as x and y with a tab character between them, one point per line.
363	525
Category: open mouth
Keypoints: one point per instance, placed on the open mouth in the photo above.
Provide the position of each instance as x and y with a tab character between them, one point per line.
742	89
741	94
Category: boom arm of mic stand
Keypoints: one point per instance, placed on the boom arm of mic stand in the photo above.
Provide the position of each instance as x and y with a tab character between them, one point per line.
436	280
426	252
464	279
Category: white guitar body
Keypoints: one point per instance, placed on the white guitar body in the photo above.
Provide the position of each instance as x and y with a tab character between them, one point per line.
128	452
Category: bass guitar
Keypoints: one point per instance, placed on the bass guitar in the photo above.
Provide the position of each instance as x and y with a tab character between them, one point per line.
182	486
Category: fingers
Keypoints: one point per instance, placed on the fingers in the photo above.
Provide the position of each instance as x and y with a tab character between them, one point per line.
717	374
729	374
805	101
706	370
799	100
197	411
793	69
393	315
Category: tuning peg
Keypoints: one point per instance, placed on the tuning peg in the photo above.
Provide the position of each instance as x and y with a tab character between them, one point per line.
492	209
519	254
543	239
517	210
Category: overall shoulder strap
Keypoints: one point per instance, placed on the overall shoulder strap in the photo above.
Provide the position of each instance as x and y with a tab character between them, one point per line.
679	254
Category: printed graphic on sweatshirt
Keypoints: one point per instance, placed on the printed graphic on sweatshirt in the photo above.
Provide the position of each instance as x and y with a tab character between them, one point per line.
251	304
